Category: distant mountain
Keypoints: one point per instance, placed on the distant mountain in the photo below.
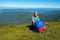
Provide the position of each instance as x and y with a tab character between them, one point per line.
22	16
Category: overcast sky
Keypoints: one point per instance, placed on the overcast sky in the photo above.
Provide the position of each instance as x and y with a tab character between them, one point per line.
30	3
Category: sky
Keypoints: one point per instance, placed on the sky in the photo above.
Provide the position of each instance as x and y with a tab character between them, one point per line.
30	3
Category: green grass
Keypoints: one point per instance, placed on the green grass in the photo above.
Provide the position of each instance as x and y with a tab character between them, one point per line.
22	32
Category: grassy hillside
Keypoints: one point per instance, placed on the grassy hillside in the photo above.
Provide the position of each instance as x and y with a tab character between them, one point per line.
22	32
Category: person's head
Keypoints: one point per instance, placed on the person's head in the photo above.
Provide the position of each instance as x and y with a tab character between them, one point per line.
35	14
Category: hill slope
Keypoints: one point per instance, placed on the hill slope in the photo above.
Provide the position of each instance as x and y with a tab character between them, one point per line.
22	32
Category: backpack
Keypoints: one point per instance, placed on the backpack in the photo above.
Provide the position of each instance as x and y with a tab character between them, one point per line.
39	24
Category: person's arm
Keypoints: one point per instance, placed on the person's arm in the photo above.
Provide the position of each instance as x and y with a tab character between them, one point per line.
32	20
38	18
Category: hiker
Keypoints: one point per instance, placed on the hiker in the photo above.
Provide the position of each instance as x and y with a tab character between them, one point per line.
35	18
37	24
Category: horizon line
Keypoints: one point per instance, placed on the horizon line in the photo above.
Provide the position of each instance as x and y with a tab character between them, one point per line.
29	7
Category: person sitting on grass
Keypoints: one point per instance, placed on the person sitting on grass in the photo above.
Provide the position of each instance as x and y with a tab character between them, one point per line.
37	23
35	18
